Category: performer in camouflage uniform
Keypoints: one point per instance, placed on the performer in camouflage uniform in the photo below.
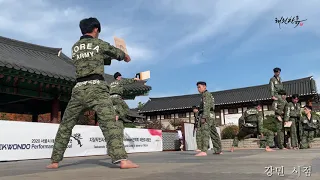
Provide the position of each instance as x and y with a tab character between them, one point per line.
293	113
309	127
279	109
251	122
276	84
116	93
89	55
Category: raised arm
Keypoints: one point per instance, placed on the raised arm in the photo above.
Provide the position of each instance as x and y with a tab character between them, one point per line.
111	51
127	81
260	122
271	84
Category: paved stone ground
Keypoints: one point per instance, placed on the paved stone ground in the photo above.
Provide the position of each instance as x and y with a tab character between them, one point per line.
240	165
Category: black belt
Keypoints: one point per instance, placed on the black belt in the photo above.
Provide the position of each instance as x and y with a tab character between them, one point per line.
293	116
91	77
115	94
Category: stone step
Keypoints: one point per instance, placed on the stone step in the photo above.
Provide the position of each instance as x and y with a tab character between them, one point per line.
254	143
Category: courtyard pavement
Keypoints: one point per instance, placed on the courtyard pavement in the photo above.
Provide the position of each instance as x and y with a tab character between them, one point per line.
240	165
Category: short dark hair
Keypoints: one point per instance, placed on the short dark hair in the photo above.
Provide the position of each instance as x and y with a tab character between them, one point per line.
117	74
308	107
202	83
276	70
89	24
294	96
256	103
194	107
282	92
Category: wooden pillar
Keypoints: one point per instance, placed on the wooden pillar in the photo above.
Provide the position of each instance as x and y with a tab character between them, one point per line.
55	111
62	113
95	119
34	117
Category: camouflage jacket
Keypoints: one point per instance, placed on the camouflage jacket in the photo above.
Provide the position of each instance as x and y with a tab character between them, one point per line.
310	125
116	87
292	110
275	85
279	107
252	118
207	107
89	55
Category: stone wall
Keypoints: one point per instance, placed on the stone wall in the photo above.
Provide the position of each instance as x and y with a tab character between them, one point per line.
253	143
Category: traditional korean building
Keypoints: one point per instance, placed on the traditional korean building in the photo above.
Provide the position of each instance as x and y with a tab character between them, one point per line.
229	104
36	79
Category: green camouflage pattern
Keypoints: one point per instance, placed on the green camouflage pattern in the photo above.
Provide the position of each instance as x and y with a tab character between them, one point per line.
275	86
279	108
207	109
251	122
204	137
120	106
95	97
308	130
293	114
206	106
89	55
116	87
198	134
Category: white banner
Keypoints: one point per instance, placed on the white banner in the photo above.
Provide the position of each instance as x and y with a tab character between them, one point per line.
232	119
190	140
27	140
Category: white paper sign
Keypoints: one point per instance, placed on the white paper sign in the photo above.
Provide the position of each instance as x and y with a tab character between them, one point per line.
29	140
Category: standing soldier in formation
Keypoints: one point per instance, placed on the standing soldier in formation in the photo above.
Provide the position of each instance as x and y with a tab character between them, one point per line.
292	113
251	122
276	84
204	118
215	138
309	127
198	135
116	93
279	108
92	92
207	120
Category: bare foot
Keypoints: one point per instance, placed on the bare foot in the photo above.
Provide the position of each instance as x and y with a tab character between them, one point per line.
269	150
232	149
285	149
198	150
126	164
53	166
201	154
219	153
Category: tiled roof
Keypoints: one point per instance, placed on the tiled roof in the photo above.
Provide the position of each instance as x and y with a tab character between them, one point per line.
45	61
134	113
304	86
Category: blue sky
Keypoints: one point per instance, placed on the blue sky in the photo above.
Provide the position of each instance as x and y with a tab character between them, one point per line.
227	43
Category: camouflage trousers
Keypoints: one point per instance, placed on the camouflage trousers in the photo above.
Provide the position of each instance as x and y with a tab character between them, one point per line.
244	131
96	97
215	138
120	106
293	132
198	138
306	139
204	132
280	132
